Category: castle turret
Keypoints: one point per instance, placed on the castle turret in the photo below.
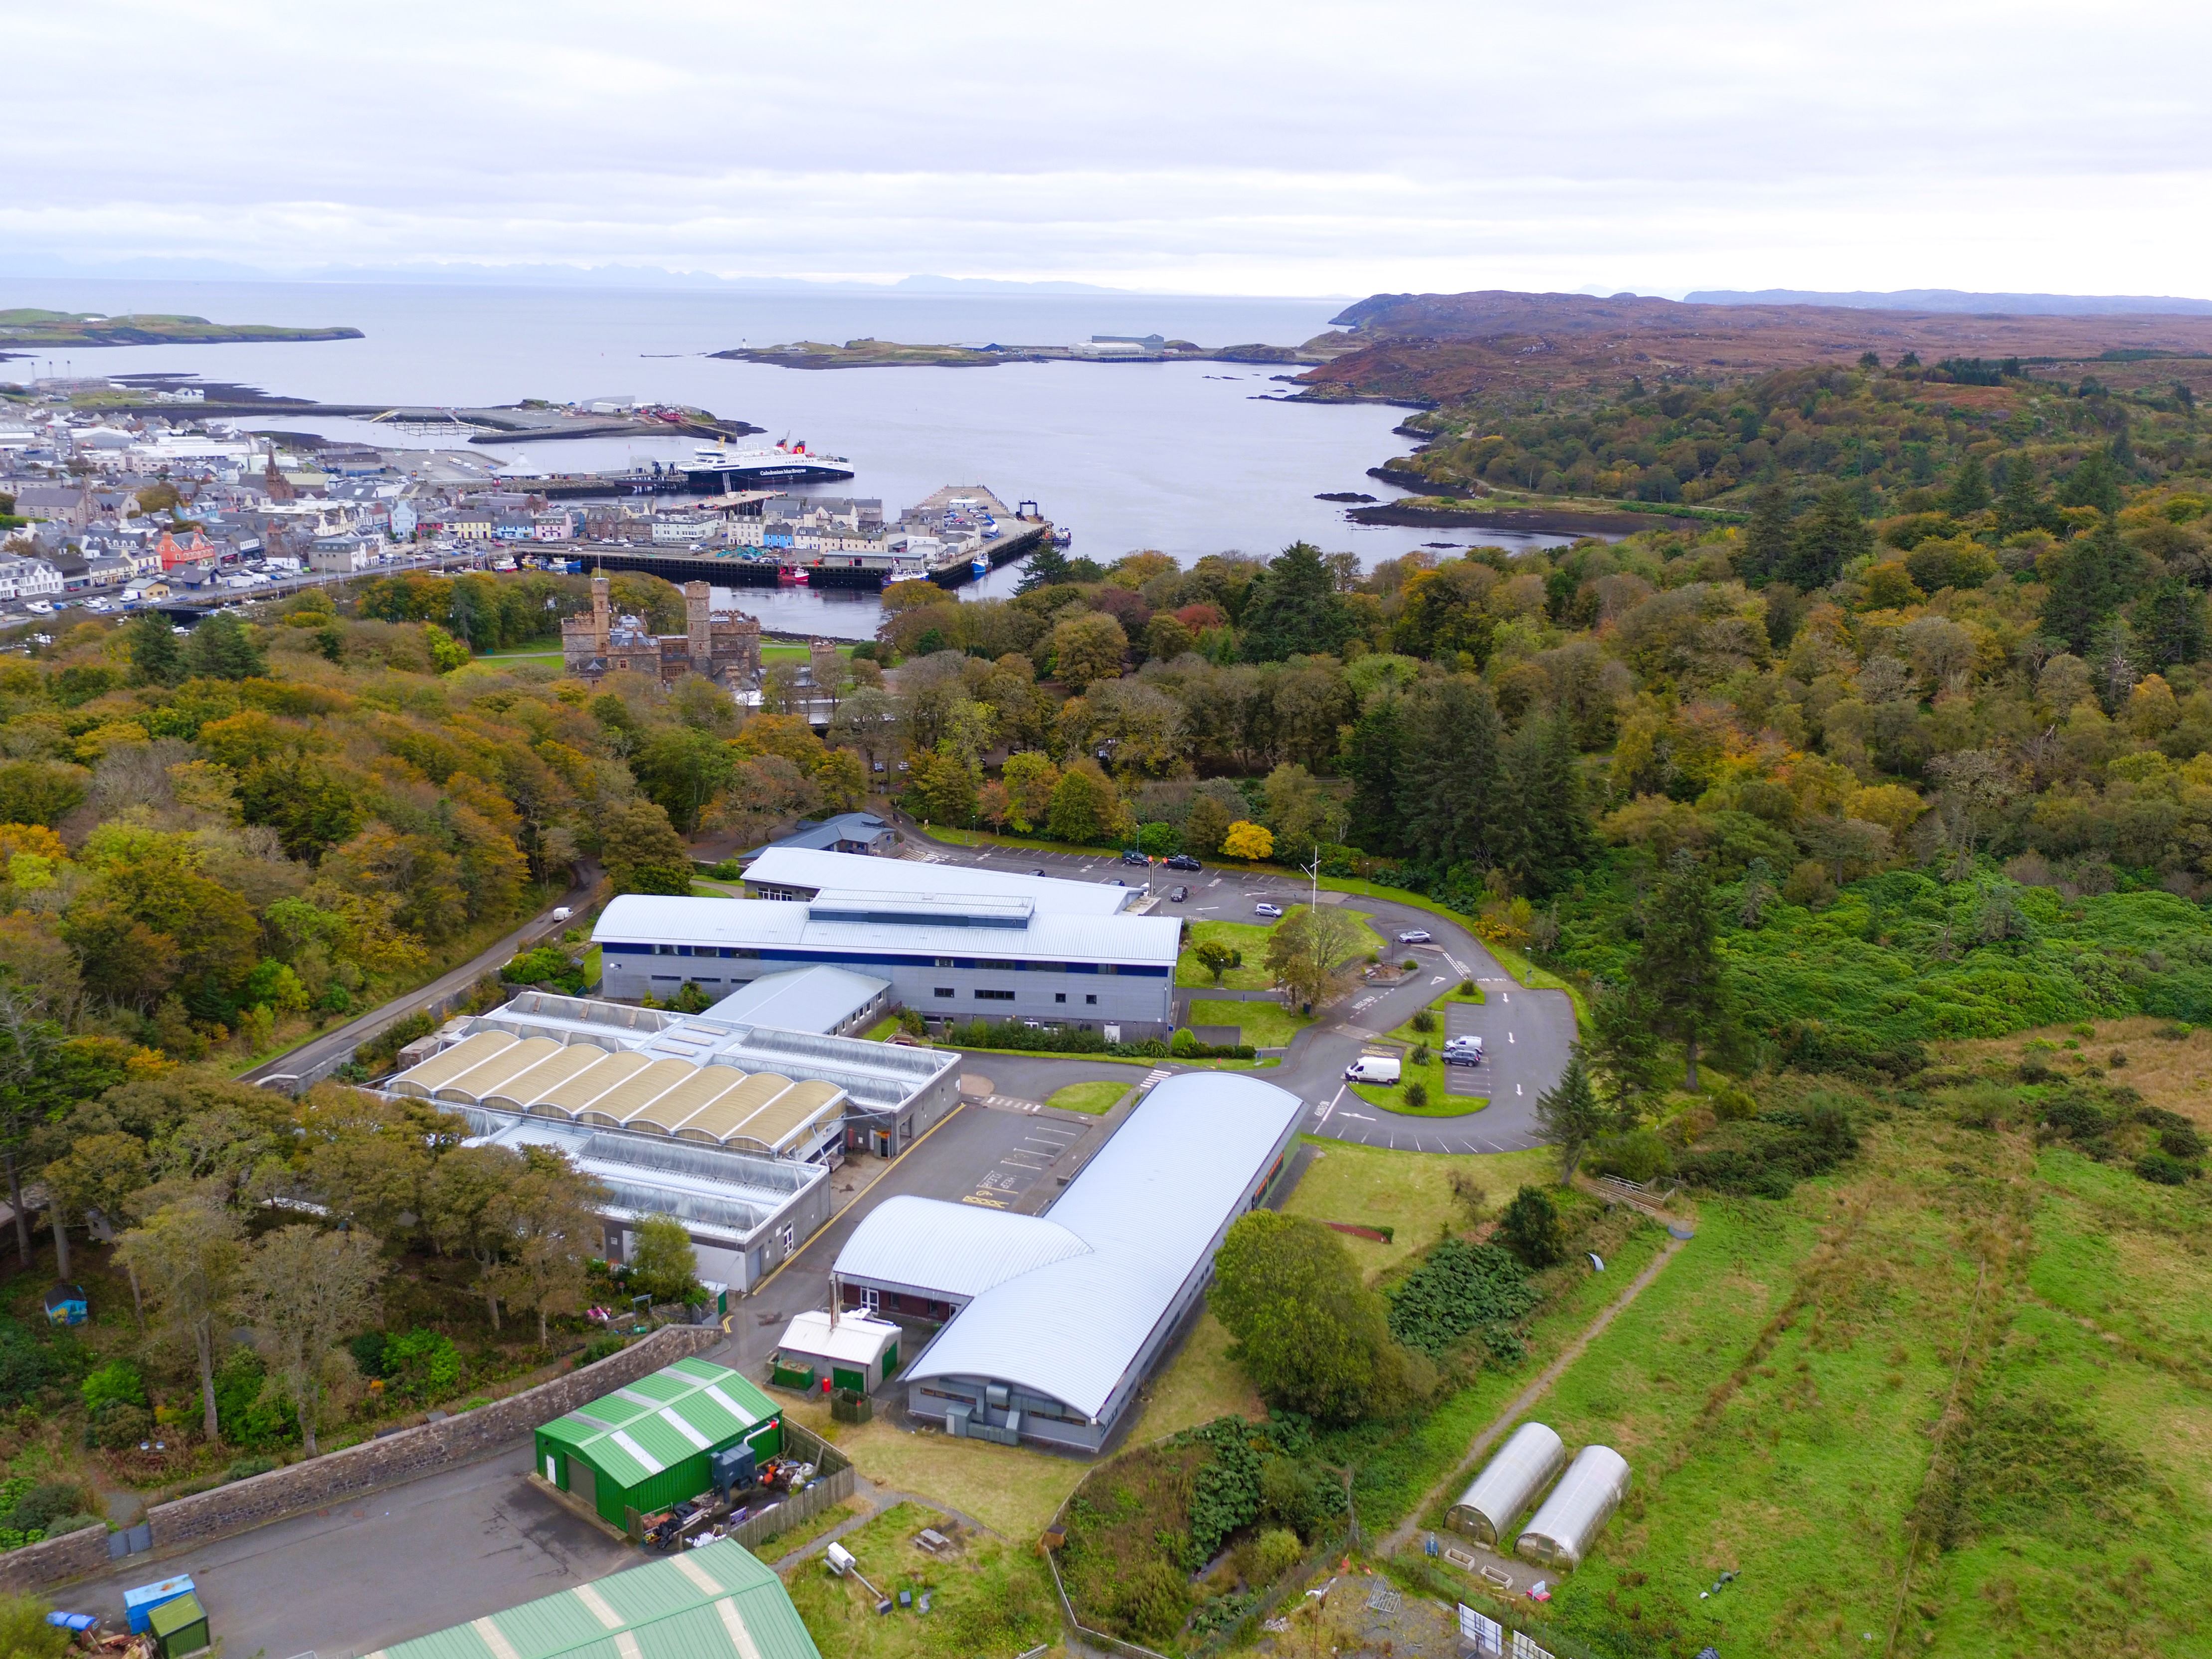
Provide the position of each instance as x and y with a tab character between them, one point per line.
699	625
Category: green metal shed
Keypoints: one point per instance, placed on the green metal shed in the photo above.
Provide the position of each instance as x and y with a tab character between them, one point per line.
645	1447
715	1603
180	1627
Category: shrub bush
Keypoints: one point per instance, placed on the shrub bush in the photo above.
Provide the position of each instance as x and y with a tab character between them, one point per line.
1461	1288
1424	1019
1639	1155
421	1366
607	1342
1529	1226
28	1363
2165	1170
1416	1094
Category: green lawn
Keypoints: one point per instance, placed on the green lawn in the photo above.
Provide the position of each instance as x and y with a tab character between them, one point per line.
1094	1098
986	1595
1250	937
1262	1024
594	962
881	1029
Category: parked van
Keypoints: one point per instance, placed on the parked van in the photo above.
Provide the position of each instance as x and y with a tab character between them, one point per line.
1374	1068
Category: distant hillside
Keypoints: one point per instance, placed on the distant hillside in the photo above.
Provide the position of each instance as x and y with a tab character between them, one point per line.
1957	300
1445	348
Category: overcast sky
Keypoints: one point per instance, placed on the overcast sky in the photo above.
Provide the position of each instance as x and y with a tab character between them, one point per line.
1205	147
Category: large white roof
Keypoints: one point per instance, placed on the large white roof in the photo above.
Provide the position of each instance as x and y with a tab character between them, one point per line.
803	1000
855	872
636	917
960	1249
1196	1153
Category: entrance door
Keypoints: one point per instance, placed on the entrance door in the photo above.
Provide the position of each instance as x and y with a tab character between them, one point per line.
583	1482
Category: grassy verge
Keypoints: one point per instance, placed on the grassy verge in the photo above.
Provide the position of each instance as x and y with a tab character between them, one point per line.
1409	1193
1201	1384
1093	1097
1119	1059
1441	1104
881	1030
1262	1024
986	1595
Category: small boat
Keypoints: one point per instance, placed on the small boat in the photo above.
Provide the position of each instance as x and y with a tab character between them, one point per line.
980	566
1063	538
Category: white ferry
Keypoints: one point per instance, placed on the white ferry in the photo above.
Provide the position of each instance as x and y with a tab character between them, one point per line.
718	469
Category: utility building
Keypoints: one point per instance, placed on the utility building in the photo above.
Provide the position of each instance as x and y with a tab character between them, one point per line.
645	1447
1054	1322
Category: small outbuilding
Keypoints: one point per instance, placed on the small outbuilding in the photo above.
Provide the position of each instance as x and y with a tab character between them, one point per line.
180	1627
65	1305
855	1351
650	1445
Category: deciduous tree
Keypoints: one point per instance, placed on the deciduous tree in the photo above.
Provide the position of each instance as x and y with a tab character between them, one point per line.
304	1289
187	1255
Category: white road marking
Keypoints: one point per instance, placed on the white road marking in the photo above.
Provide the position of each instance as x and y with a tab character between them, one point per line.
1362	1116
1516	1088
1331	1107
1438	980
1509	1036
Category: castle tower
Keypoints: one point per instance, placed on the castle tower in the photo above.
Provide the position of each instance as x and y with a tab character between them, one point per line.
603	614
699	625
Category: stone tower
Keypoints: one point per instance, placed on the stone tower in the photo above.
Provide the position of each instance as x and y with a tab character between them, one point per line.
603	614
699	625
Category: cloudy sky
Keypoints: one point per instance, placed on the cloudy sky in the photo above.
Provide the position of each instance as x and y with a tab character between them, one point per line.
1202	147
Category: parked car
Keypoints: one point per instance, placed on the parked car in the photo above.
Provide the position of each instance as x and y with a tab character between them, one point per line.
1264	908
1133	856
1461	1051
1414	936
1178	895
1184	861
1374	1068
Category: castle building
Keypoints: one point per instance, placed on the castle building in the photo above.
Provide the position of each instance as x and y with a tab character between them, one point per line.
724	647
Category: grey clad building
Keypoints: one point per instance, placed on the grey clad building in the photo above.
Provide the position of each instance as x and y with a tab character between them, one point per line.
954	943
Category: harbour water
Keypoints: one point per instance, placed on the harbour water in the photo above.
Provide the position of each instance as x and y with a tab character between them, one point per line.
1188	457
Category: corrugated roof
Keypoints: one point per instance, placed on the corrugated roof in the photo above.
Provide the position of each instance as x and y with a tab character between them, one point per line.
756	924
1146	1208
855	872
442	1068
803	1000
959	1250
715	1603
661	1419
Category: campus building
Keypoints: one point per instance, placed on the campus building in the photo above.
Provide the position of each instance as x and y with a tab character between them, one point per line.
953	944
1052	1322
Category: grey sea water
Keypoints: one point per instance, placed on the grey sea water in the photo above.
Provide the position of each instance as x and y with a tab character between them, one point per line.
1188	457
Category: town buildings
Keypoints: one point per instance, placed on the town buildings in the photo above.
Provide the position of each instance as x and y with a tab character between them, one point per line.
722	646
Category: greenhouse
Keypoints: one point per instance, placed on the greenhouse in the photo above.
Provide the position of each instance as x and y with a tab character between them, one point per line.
1560	1534
1501	1494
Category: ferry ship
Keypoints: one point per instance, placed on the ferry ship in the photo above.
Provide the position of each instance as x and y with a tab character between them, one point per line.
717	468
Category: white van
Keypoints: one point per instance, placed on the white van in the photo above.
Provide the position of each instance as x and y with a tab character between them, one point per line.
1374	1068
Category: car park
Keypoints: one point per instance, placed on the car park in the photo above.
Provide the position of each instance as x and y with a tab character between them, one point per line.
1264	908
1415	936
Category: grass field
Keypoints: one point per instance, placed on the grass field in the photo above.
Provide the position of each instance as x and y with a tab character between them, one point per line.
1262	1024
1952	1396
988	1595
881	1029
1409	1193
1013	1491
1093	1097
1198	1385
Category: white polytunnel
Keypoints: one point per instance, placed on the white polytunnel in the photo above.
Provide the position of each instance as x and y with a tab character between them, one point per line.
1509	1483
1559	1533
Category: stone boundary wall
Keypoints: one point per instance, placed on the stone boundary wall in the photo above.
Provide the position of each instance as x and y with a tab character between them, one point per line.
338	1477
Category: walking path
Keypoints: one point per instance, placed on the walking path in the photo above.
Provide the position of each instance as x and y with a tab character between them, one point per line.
1402	1533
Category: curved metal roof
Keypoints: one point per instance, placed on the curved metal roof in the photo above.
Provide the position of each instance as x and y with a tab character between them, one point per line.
959	1250
1144	1214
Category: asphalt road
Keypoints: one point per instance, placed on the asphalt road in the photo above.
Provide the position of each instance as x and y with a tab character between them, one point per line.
386	1568
350	1036
1526	1034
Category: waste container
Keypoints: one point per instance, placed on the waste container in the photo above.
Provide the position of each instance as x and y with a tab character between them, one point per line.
180	1627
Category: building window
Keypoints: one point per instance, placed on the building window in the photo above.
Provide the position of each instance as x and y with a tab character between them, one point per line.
945	990
994	996
1060	996
1090	997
